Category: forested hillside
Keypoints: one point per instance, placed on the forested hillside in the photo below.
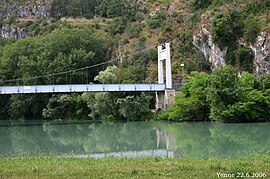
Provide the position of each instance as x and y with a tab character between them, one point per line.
39	38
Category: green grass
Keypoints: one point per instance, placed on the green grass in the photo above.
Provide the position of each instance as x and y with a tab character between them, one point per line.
54	167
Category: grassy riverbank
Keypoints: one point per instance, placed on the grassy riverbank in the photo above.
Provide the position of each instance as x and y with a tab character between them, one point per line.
53	167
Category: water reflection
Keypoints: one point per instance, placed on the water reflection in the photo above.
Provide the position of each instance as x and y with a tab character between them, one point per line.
137	139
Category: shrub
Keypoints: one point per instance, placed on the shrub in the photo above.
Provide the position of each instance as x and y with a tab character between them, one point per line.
117	26
134	30
244	58
252	28
153	22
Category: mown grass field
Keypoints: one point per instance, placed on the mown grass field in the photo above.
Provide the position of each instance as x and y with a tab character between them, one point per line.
54	167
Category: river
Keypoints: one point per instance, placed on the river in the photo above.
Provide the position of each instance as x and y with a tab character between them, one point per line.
201	140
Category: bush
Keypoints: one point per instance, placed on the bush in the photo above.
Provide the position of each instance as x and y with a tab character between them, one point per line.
252	29
134	30
153	22
227	29
191	103
200	4
222	96
117	26
244	58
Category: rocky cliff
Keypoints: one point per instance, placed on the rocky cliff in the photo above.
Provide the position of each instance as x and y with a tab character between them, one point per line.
261	50
13	13
203	41
13	31
26	9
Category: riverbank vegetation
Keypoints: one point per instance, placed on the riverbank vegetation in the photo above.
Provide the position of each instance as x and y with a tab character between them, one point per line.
222	96
77	34
51	167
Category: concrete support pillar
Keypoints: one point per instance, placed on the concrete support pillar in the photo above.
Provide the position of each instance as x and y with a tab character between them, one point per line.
160	104
160	66
169	98
165	99
168	67
165	55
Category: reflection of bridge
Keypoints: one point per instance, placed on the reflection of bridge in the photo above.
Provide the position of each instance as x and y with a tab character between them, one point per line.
131	154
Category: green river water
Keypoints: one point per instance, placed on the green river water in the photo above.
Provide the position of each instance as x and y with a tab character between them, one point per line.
135	139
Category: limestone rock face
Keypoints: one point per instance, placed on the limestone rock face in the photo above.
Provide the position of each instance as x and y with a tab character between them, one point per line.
13	31
203	41
21	11
36	9
261	49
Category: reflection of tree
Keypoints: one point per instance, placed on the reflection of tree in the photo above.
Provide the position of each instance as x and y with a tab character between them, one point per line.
211	140
101	138
25	140
240	139
192	140
5	142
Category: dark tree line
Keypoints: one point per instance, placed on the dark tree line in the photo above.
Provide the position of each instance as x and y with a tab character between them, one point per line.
90	8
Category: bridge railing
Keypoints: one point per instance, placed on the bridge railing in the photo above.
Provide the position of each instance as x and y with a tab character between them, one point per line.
80	88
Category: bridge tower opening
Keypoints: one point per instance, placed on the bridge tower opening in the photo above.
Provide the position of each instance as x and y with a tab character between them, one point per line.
165	99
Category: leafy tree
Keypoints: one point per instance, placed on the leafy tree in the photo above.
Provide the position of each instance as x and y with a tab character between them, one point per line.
66	107
27	106
244	58
200	4
117	25
107	76
252	28
235	99
223	96
107	106
134	107
227	28
62	50
134	30
191	104
223	90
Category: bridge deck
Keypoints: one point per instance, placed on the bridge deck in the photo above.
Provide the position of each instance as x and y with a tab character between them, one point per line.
80	88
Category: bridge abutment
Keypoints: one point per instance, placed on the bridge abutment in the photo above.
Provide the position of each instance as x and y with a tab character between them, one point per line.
165	99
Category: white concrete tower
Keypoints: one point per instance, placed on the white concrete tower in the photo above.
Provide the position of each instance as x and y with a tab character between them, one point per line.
165	55
165	99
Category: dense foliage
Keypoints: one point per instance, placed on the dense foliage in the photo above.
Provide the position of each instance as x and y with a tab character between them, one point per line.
222	96
80	33
90	8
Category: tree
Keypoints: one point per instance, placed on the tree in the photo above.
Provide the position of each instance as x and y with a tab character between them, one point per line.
200	4
66	107
62	50
222	96
244	58
236	99
252	29
134	107
108	76
191	104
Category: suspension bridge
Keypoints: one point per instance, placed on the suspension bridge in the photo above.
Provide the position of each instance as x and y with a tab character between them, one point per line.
163	89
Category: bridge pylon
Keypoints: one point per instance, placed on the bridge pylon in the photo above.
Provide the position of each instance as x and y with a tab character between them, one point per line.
165	99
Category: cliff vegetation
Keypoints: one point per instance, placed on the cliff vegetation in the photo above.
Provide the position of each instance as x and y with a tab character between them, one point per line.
39	38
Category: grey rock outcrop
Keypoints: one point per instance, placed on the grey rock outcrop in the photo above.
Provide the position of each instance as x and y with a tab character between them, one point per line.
21	11
261	49
203	41
36	9
13	31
